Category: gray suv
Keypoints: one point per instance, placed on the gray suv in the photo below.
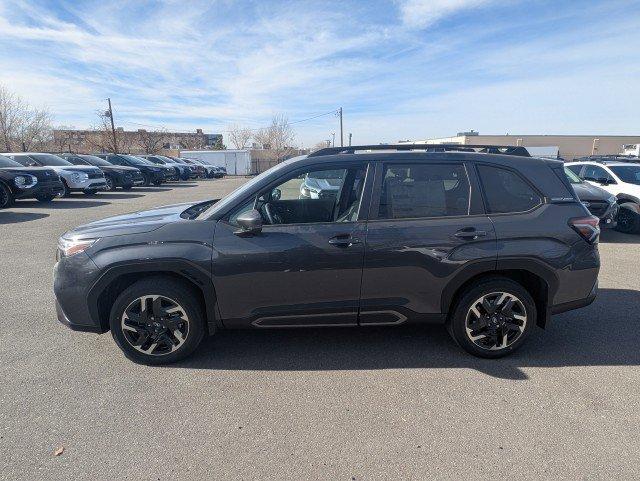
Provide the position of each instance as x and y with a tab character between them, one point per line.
488	244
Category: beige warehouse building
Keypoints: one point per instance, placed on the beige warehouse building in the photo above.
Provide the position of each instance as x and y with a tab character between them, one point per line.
569	146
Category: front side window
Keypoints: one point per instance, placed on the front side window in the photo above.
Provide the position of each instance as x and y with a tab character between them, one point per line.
595	172
506	191
424	190
316	196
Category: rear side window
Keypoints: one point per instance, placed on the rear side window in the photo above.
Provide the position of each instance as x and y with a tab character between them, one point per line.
424	190
506	191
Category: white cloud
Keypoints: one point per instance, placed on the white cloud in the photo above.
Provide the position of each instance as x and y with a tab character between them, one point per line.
422	13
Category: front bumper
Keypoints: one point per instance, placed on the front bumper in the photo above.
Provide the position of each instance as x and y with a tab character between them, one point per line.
44	189
72	278
98	183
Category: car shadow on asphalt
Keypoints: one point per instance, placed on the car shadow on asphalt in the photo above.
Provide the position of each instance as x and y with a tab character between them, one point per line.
606	333
182	184
151	189
64	203
610	236
9	217
118	195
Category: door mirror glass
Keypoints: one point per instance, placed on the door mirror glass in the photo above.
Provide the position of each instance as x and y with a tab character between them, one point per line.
250	222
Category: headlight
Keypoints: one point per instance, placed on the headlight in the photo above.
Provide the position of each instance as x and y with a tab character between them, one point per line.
612	200
25	181
78	177
68	247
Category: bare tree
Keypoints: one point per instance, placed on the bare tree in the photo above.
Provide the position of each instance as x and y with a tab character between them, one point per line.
277	139
22	126
323	144
152	142
193	142
239	136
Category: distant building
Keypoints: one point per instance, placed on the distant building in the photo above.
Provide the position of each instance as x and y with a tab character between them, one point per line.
139	141
568	146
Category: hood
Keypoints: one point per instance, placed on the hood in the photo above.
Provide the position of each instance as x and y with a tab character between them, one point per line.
587	192
133	223
75	168
119	168
41	173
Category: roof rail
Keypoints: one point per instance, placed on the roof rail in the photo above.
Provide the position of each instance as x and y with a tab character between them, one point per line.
608	158
485	149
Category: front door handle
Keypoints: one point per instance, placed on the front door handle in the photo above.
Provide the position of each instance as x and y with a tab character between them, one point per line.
344	240
470	233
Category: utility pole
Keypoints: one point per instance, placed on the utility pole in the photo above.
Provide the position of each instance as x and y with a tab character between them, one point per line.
350	135
341	136
333	136
113	128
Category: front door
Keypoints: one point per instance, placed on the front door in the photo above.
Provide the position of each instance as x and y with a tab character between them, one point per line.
426	226
305	267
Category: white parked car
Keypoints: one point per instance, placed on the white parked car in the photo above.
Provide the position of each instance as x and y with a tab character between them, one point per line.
621	179
75	178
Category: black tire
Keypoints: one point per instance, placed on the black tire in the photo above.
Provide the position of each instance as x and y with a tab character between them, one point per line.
111	185
483	346
66	192
90	192
45	198
157	183
147	180
6	197
166	288
628	221
126	187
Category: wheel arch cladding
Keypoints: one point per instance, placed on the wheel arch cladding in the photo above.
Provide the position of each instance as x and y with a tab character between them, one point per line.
537	286
105	291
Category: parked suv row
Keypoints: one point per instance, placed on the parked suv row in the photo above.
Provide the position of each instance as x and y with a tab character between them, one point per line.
489	245
115	175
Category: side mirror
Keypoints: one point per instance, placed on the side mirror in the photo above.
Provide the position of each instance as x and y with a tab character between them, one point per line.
250	223
276	194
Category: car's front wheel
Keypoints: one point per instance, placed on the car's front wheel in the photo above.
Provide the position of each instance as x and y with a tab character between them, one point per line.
628	220
111	185
6	197
157	321
45	198
492	318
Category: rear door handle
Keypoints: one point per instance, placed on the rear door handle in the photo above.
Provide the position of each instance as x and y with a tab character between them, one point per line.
469	233
344	240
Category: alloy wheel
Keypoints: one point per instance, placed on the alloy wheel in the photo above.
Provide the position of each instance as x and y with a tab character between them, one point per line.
109	183
496	320
5	200
155	325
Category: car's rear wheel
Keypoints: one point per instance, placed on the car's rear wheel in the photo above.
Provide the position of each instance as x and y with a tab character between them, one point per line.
492	318
147	180
628	220
90	192
157	182
157	321
6	197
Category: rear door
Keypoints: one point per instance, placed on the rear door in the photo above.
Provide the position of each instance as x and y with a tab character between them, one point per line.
426	226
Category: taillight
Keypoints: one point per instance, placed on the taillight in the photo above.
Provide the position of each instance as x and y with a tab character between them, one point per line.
587	227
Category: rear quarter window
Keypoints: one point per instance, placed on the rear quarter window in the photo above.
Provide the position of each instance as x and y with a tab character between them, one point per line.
505	191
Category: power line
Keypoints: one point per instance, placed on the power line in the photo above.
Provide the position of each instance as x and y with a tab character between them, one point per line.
227	131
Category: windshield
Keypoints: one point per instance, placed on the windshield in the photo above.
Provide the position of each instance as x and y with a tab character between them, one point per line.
7	162
93	160
50	159
627	173
136	160
573	178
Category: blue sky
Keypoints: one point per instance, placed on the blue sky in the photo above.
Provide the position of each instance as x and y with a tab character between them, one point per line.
401	69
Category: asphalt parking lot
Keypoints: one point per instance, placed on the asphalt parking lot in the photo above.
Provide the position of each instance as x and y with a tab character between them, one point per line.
376	403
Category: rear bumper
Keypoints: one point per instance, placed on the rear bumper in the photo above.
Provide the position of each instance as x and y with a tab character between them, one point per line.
577	303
